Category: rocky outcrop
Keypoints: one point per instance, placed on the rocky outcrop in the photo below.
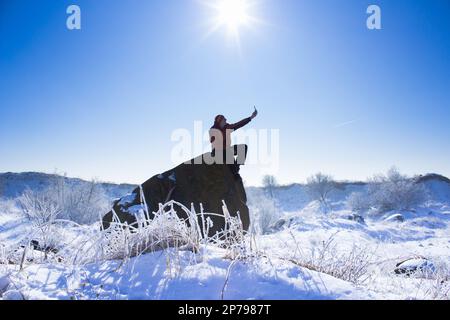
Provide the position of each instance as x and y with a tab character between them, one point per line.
357	218
196	182
398	217
418	265
432	177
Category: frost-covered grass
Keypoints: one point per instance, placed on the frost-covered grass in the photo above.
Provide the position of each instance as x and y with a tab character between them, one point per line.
352	265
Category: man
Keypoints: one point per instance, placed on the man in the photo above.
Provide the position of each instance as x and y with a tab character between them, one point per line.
220	137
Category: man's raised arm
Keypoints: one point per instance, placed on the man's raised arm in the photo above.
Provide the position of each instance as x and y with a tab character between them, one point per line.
240	124
244	122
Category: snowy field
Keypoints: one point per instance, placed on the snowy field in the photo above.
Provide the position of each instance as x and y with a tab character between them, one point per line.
296	250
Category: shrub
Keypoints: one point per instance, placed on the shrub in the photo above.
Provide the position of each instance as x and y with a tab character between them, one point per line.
392	191
358	202
269	184
319	187
82	203
264	213
40	207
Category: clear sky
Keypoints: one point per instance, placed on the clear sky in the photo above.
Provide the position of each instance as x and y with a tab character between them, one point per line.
103	101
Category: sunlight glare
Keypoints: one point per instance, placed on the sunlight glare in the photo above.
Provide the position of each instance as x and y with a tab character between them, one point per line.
233	14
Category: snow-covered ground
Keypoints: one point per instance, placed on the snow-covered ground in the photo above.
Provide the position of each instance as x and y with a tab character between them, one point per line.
307	255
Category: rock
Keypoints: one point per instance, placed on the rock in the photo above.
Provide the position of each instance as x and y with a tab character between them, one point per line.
356	217
415	266
196	182
38	247
395	218
279	225
33	253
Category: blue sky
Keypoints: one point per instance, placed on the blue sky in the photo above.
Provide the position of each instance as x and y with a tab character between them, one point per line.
102	102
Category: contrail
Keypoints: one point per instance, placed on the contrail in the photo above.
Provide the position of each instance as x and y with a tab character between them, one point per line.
340	125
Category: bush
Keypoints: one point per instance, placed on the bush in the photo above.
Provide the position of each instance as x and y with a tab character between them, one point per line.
264	213
319	187
81	203
269	184
40	207
392	191
359	202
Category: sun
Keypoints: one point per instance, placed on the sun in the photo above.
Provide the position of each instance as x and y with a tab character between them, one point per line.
233	14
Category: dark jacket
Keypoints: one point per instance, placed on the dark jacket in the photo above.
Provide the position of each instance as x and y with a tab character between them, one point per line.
221	137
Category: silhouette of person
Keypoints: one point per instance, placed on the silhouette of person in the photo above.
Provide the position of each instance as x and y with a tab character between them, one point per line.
220	137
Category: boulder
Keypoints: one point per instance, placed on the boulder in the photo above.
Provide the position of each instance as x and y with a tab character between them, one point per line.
279	225
357	218
420	266
395	218
196	183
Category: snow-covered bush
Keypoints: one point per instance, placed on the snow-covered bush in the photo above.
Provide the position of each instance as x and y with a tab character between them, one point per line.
40	207
319	187
359	202
395	191
269	184
50	209
81	203
264	212
392	191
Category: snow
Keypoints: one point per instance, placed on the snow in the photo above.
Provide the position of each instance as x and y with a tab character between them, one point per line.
4	284
305	258
137	210
148	277
129	198
173	177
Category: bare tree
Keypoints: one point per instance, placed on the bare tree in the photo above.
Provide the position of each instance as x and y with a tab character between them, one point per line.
319	186
387	192
269	183
395	191
40	207
82	203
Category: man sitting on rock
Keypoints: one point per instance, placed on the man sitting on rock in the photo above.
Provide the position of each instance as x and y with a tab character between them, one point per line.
220	137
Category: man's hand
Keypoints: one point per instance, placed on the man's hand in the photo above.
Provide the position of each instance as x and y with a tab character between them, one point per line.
254	114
